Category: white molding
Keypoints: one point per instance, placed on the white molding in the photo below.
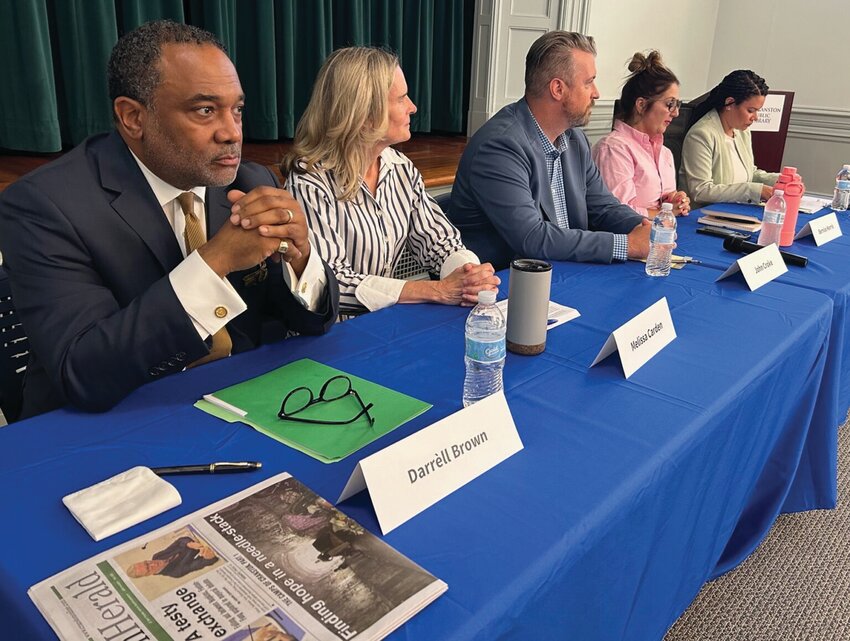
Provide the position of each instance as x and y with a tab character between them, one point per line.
806	123
601	119
819	123
575	15
495	65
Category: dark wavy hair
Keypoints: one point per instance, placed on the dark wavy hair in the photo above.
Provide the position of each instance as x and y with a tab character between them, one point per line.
133	69
738	85
649	79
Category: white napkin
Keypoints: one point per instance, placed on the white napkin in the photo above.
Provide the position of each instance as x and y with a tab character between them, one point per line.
121	502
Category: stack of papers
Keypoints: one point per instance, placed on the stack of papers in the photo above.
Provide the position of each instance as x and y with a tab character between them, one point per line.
729	220
811	205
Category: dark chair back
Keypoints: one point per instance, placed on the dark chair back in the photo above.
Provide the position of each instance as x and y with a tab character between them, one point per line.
14	353
674	137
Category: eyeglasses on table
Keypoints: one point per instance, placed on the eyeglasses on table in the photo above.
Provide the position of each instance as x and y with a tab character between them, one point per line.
334	389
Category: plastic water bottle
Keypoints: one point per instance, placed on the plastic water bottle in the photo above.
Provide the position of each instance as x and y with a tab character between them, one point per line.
771	222
485	349
841	198
662	237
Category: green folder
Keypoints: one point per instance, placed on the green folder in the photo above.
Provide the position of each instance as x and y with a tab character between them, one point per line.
260	399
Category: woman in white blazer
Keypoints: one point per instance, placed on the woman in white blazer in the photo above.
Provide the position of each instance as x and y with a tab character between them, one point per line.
717	155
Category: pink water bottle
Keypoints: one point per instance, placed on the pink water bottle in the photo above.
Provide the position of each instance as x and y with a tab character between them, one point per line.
792	184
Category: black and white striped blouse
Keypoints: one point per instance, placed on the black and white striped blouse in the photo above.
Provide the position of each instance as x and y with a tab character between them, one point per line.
362	239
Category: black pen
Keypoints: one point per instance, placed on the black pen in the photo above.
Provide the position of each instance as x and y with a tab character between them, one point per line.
208	468
685	260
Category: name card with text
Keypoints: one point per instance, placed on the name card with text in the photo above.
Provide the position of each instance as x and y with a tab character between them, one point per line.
758	268
822	230
413	474
641	338
770	114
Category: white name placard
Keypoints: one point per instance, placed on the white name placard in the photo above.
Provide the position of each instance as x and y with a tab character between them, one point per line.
758	268
770	115
413	474
822	230
641	338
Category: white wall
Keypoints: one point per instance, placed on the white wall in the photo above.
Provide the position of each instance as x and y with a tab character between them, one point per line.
682	31
797	47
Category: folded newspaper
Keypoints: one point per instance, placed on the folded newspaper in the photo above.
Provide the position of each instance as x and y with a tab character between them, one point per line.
275	562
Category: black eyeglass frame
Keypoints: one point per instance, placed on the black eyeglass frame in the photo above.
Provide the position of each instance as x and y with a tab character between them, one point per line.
290	416
672	104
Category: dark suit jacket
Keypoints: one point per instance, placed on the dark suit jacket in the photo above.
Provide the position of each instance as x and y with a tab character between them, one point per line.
181	558
88	252
502	200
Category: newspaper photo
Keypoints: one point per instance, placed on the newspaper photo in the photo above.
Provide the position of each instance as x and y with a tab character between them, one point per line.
275	562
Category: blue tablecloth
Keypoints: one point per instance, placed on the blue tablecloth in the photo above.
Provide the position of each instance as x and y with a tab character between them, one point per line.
828	272
629	494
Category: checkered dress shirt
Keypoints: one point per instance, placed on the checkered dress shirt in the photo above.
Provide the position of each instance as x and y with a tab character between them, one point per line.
552	154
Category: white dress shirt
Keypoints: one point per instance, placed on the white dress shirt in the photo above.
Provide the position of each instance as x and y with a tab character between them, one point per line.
198	288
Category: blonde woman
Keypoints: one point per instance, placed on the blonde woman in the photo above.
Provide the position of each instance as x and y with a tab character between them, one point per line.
365	201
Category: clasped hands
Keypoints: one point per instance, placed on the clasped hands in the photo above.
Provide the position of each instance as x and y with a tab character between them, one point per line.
680	201
463	284
259	221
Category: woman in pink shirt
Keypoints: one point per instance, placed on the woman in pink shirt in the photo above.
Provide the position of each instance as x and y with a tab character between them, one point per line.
633	161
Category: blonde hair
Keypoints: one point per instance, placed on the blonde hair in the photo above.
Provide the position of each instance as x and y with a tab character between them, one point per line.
346	117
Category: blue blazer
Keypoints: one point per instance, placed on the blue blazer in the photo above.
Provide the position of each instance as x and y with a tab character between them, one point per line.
502	200
88	252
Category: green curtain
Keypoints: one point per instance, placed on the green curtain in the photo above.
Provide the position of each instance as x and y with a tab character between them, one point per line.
55	54
28	113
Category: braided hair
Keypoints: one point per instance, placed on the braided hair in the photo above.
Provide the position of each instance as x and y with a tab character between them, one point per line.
739	85
649	78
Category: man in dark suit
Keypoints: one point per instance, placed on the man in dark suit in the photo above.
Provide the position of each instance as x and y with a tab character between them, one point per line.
146	249
526	184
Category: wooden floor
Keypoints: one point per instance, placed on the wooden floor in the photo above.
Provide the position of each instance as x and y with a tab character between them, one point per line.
435	156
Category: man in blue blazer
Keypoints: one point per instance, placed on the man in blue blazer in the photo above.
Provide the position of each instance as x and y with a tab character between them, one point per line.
526	184
148	248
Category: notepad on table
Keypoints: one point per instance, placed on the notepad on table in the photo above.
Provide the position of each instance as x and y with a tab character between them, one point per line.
729	220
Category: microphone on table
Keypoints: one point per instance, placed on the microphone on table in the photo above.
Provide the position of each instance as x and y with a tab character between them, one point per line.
740	246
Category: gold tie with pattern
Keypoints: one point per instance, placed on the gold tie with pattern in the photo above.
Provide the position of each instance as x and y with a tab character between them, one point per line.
195	237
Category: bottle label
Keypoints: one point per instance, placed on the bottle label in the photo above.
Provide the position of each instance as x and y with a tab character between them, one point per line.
662	235
773	217
485	351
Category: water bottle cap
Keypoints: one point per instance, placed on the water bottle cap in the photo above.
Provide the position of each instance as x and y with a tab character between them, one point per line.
778	192
487	296
789	170
666	206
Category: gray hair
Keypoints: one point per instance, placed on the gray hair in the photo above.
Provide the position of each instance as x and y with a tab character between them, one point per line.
133	69
551	56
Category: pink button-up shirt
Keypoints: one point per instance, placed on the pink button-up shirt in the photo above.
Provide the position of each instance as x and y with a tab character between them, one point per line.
637	168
